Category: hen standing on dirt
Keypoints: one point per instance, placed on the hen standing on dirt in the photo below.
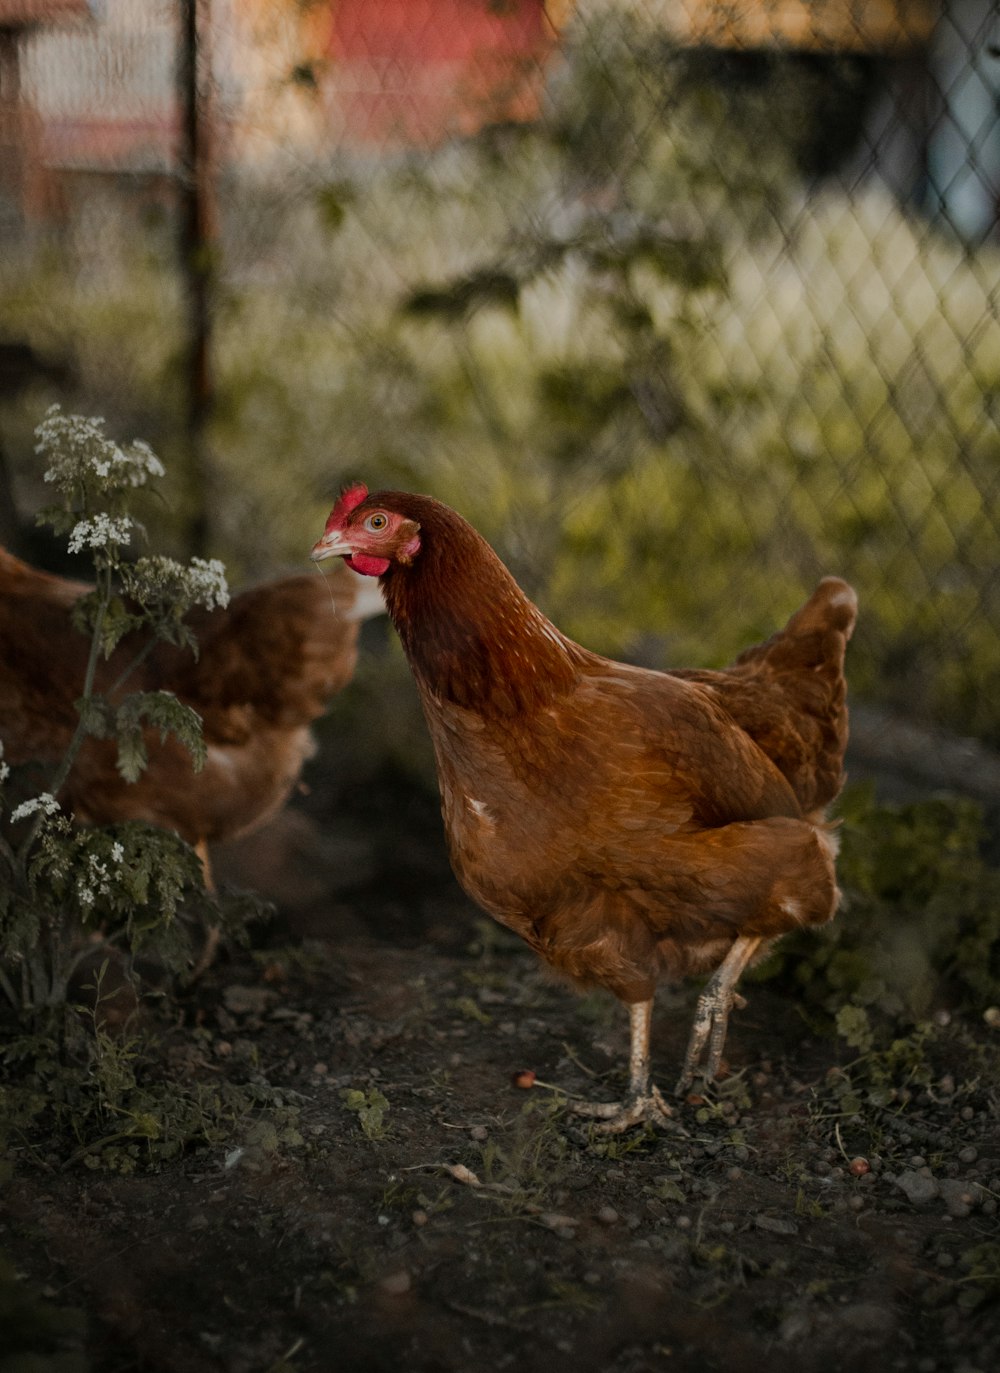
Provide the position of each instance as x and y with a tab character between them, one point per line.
625	823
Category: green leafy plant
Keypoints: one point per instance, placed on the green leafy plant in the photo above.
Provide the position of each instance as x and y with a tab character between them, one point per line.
62	886
371	1109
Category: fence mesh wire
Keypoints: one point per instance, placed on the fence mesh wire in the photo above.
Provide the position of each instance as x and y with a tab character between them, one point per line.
683	302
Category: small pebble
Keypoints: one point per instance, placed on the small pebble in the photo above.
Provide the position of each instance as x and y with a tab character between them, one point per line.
859	1167
918	1187
420	1217
396	1284
479	1133
856	1203
968	1155
607	1215
683	1222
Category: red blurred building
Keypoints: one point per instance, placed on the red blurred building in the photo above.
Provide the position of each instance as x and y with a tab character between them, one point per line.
415	71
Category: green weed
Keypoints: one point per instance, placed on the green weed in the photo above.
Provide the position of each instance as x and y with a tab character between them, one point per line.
371	1108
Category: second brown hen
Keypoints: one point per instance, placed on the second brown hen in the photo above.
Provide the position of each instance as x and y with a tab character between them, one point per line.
267	667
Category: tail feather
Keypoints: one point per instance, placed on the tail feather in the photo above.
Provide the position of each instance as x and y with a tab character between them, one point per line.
789	694
816	635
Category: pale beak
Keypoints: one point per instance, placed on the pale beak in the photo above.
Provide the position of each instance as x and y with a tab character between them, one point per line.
331	545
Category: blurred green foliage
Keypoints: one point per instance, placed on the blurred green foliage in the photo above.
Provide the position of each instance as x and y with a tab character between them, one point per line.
671	387
920	924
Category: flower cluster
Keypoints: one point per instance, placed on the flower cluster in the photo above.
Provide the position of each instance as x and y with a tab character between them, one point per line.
96	880
99	531
157	580
46	803
79	455
207	580
4	767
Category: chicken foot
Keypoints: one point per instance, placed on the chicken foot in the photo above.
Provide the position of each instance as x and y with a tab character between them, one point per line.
711	1018
643	1101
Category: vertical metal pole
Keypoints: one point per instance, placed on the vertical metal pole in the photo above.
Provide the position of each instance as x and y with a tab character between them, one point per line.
198	249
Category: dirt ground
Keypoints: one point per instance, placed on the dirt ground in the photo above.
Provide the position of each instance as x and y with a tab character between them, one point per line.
398	1203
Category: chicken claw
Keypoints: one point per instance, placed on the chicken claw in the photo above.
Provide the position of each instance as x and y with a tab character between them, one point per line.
643	1101
711	1018
618	1116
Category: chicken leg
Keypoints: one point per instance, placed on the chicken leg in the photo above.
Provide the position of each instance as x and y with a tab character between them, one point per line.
712	1015
643	1101
213	933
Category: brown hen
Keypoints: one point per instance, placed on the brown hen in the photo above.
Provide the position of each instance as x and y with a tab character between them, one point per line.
267	667
626	823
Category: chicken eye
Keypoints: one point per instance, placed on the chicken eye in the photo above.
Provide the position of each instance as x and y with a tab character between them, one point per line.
376	523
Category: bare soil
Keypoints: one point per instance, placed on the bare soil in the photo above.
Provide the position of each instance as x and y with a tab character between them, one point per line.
397	1203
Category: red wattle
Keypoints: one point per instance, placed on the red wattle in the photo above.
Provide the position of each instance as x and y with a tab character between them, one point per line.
366	564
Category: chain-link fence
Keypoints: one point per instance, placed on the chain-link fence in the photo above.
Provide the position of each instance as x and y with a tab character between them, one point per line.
682	302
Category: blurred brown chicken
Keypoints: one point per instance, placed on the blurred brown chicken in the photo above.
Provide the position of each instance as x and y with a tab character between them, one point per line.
625	823
266	668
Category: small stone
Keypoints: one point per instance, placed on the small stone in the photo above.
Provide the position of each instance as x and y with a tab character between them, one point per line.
396	1284
419	1217
992	1017
683	1222
918	1161
607	1215
959	1197
968	1155
563	1226
859	1167
479	1133
919	1188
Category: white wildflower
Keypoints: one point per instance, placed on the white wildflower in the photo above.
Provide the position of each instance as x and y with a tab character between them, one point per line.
46	803
99	531
208	582
144	462
79	451
117	852
4	769
161	580
84	894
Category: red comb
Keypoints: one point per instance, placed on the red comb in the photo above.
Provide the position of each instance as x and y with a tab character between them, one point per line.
349	498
